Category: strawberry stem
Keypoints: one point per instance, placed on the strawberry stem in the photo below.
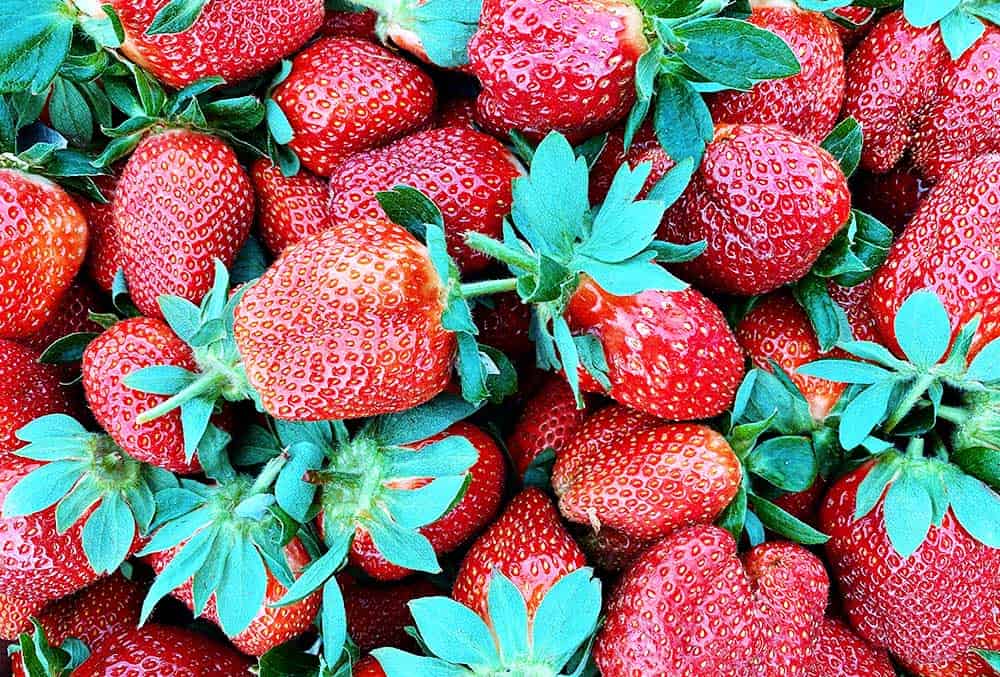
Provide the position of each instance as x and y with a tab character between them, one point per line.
502	252
956	415
488	287
914	394
205	383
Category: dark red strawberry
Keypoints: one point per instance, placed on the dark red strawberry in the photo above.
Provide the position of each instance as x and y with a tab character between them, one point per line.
838	652
893	197
27	390
291	207
341	24
103	611
645	148
457	112
804	505
43	240
368	667
377	615
548	421
346	95
505	323
104	251
465	173
72	316
609	550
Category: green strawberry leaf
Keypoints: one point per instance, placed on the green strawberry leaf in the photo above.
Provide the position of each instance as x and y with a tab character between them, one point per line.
976	506
423	421
67	349
681	120
960	29
980	462
508	617
873	486
923	329
566	618
827	318
922	13
293	493
70	113
444	28
453	455
333	621
786	462
175	17
844	144
985	366
865	411
42	487
908	512
34	43
646	70
108	534
992	658
733	518
403	547
411	209
414	508
242	587
857	251
455	633
319	571
396	663
183	566
780	522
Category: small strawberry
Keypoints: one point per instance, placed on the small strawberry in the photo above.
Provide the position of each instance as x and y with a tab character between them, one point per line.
505	323
182	201
346	95
377	615
368	667
838	652
27	390
548	421
159	651
43	240
465	173
107	609
807	104
104	252
71	317
804	505
291	207
345	24
893	197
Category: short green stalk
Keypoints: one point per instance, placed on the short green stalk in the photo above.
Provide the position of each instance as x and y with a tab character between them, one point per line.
906	404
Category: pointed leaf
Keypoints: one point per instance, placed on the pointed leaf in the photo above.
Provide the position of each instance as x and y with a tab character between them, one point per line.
908	514
923	329
454	632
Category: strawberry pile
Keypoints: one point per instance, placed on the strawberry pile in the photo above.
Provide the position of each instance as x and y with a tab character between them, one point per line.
527	338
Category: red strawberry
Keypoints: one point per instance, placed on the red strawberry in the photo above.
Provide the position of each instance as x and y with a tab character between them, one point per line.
15	615
341	24
377	615
235	39
346	324
926	608
163	651
182	201
838	652
107	609
458	112
505	324
27	390
969	664
104	253
807	104
952	247
610	550
564	65
465	173
528	545
291	207
778	329
346	95
767	203
548	421
670	354
645	148
804	504
72	316
893	197
43	240
854	301
368	667
862	16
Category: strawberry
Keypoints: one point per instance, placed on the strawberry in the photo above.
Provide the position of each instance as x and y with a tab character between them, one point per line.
465	173
893	197
346	95
778	329
457	112
527	544
105	610
645	148
162	651
377	615
72	316
180	192
609	550
863	20
505	324
15	615
804	505
564	65
368	667
970	664
27	390
838	652
104	253
291	207
767	203
344	24
807	104
225	39
951	248
854	301
43	240
329	321
548	421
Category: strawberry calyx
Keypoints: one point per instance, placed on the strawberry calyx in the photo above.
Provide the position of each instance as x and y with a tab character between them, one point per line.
961	23
38	658
556	640
85	472
434	30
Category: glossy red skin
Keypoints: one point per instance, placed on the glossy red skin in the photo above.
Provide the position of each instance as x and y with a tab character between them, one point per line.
506	325
952	247
465	173
804	504
15	615
71	316
928	608
459	112
27	390
807	104
346	324
236	39
290	207
766	201
368	667
43	240
670	354
859	15
968	664
107	609
893	197
271	626
563	65
892	76
547	421
163	651
104	250
183	200
377	615
475	510
838	652
645	148
528	544
609	550
346	95
778	329
349	24
128	346
854	301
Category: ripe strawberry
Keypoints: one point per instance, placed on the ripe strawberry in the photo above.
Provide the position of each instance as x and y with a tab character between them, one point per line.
182	201
952	247
107	609
528	545
72	316
15	615
548	421
368	667
564	65
807	104
928	607
778	329
233	40
854	301
862	16
767	203
43	240
893	197
457	112
645	148
505	324
159	651
27	390
969	664
104	252
291	207
377	615
838	652
346	324
341	24
804	505
608	549
465	173
346	95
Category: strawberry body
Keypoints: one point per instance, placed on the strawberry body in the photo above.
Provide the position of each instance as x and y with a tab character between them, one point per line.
645	148
863	16
767	202
105	610
345	95
893	197
969	664
71	316
838	652
182	201
465	173
548	421
564	65
15	615
807	104
505	325
343	24
608	549
457	112
329	333
234	39
952	247
43	240
377	615
104	252
291	207
669	354
163	651
368	667
854	301
27	390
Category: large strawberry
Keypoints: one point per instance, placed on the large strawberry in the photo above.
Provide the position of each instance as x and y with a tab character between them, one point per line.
16	614
465	173
971	664
27	390
105	610
838	652
807	104
182	201
548	421
377	615
345	95
291	207
43	240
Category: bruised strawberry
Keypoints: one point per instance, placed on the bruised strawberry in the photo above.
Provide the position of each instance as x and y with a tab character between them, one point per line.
548	421
377	615
838	652
27	390
345	95
72	316
162	650
107	609
291	207
505	323
104	251
344	24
